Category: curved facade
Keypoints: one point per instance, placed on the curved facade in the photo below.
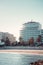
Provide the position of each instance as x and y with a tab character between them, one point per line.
29	30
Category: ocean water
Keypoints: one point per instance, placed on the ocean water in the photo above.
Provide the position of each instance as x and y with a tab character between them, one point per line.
18	59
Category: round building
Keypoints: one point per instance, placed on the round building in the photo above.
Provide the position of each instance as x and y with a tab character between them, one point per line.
29	30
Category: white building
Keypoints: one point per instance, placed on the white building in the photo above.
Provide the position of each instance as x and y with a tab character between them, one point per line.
42	35
3	35
29	30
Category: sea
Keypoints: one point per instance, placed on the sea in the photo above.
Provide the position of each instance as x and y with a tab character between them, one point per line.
18	59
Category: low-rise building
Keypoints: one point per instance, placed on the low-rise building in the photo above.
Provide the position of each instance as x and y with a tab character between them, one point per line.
11	38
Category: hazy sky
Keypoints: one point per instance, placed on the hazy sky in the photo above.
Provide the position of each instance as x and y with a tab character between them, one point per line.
13	13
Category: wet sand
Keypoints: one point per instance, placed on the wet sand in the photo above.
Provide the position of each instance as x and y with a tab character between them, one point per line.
23	51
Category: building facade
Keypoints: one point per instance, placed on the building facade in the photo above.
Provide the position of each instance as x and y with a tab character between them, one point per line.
11	38
29	30
42	35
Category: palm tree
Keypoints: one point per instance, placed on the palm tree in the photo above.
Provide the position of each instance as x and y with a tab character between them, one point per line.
39	38
21	42
31	41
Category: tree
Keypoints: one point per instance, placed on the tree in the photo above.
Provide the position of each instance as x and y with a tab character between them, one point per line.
31	41
7	41
38	39
21	42
2	40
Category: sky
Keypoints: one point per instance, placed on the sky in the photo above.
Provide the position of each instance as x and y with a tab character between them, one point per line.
14	13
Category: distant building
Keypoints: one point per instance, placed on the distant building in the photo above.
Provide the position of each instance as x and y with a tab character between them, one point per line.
29	30
3	35
42	35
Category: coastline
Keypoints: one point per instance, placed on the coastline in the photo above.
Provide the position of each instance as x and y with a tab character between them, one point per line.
22	50
36	52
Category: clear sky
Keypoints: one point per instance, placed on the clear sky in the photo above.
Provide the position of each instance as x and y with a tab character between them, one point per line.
13	13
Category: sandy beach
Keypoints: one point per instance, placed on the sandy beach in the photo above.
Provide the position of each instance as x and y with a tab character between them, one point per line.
23	51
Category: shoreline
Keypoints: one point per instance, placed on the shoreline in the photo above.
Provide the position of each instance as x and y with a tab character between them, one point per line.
36	52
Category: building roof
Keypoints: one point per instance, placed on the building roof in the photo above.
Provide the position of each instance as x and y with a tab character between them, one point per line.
30	22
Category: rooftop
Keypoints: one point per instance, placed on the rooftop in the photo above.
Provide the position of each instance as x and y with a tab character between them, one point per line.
30	22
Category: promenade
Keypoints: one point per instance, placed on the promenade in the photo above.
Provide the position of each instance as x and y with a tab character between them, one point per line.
22	50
